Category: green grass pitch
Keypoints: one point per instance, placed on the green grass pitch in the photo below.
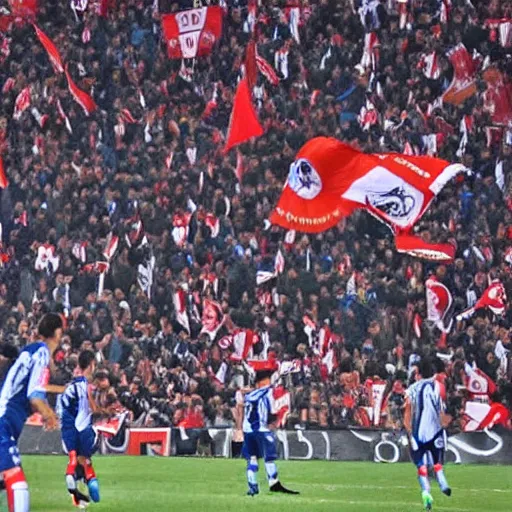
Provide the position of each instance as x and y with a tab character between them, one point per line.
150	484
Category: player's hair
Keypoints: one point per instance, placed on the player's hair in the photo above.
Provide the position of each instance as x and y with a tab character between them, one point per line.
85	358
426	368
49	324
264	374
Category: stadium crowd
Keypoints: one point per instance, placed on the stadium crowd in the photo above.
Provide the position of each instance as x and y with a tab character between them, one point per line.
152	152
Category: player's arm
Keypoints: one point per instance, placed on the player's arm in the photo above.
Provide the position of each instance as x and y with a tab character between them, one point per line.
36	391
54	388
408	415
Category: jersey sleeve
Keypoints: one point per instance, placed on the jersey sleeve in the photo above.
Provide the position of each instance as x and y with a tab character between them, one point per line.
39	375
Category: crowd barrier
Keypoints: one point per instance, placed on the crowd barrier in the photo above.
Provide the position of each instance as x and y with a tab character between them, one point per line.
487	447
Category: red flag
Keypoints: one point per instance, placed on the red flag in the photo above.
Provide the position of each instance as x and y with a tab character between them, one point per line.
24	8
329	180
439	302
240	166
98	267
480	416
22	103
478	383
4	182
244	123
281	405
463	85
267	70
498	96
180	307
51	49
243	341
111	246
417	325
494	298
251	70
192	33
81	97
212	318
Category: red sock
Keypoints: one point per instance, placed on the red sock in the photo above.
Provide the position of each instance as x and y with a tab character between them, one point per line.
15	482
89	470
438	467
72	463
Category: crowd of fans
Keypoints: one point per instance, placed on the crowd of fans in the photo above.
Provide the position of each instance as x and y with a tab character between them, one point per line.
71	189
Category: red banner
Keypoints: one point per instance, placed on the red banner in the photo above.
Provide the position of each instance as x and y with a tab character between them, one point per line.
330	180
81	97
463	84
51	49
498	96
192	33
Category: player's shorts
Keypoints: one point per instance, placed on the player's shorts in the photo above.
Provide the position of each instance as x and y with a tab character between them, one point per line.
431	453
262	445
9	454
84	443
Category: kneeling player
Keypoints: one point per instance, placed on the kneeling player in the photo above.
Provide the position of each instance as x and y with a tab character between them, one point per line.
425	421
259	440
78	436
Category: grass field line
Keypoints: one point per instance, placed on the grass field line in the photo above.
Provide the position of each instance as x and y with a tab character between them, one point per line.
300	499
385	487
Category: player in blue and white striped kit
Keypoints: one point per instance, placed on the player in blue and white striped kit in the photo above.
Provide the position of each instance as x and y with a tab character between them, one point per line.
425	421
259	441
78	435
23	392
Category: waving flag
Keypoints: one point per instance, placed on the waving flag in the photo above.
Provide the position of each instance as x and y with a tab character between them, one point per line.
493	298
180	307
22	103
243	124
465	67
329	180
4	182
192	33
81	97
439	303
479	384
51	50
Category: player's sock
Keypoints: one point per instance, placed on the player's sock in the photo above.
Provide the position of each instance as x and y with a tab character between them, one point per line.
92	482
441	479
271	469
18	497
252	479
423	479
73	461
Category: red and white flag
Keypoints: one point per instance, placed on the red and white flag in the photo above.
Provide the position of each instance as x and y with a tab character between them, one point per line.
416	325
243	123
479	384
51	50
111	246
180	307
280	405
429	64
4	182
192	33
498	96
240	166
180	230
479	416
494	298
329	180
212	318
79	251
98	267
220	375
63	116
266	69
439	303
279	263
22	103
465	68
81	97
243	341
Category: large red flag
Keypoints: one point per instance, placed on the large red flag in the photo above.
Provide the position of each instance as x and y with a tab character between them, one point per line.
192	33
51	49
243	123
24	8
493	298
329	180
4	182
81	97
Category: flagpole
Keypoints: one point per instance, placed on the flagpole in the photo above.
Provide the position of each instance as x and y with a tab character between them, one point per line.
101	284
